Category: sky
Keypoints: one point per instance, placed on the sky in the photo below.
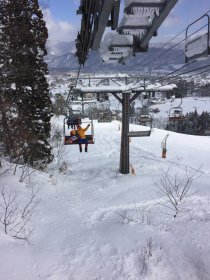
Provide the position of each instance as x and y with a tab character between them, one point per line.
63	23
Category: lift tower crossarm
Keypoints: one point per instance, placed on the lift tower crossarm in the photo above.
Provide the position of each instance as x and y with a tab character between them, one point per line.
117	97
135	96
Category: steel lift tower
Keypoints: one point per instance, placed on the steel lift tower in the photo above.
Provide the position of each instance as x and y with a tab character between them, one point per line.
125	90
139	23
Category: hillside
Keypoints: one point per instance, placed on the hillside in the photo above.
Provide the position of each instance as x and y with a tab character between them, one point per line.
64	60
93	223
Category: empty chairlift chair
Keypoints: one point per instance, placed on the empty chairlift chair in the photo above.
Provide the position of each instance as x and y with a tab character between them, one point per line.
72	120
139	16
116	48
197	43
148	128
176	114
105	116
146	120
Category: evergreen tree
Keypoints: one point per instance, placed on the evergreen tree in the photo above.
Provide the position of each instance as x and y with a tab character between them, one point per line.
193	124
25	90
59	106
6	107
204	122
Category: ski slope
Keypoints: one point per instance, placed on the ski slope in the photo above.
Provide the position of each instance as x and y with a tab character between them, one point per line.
94	223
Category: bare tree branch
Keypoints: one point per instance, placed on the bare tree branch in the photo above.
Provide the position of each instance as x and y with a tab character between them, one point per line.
176	189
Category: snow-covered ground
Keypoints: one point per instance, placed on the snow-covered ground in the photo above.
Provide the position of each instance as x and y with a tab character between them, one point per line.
188	104
92	222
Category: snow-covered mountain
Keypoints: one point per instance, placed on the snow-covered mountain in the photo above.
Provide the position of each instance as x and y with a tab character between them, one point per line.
90	222
64	59
57	49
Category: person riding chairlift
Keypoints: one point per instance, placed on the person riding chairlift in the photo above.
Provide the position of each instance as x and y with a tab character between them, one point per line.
72	122
81	137
73	135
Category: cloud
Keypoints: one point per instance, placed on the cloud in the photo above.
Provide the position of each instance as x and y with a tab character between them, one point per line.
172	20
59	30
76	3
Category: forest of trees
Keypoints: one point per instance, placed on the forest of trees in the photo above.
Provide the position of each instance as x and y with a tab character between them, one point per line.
25	104
193	124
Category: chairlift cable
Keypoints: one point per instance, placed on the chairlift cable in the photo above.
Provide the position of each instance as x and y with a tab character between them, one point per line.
151	56
172	48
160	80
169	49
164	64
78	73
184	66
165	44
185	72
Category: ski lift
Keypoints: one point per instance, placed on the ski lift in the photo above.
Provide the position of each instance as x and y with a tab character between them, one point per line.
176	113
72	120
116	48
105	116
197	45
145	118
72	139
207	132
93	115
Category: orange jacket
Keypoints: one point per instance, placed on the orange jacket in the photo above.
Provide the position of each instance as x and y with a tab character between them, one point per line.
81	132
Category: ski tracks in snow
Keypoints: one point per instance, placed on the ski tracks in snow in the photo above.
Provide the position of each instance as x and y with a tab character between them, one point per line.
110	230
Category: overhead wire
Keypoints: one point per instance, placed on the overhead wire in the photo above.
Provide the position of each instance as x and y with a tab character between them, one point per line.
164	45
71	87
171	48
166	51
184	66
173	77
154	57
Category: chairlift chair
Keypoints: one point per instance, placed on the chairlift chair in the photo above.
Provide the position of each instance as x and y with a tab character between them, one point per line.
73	120
197	45
105	116
207	132
93	116
176	114
146	120
68	140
